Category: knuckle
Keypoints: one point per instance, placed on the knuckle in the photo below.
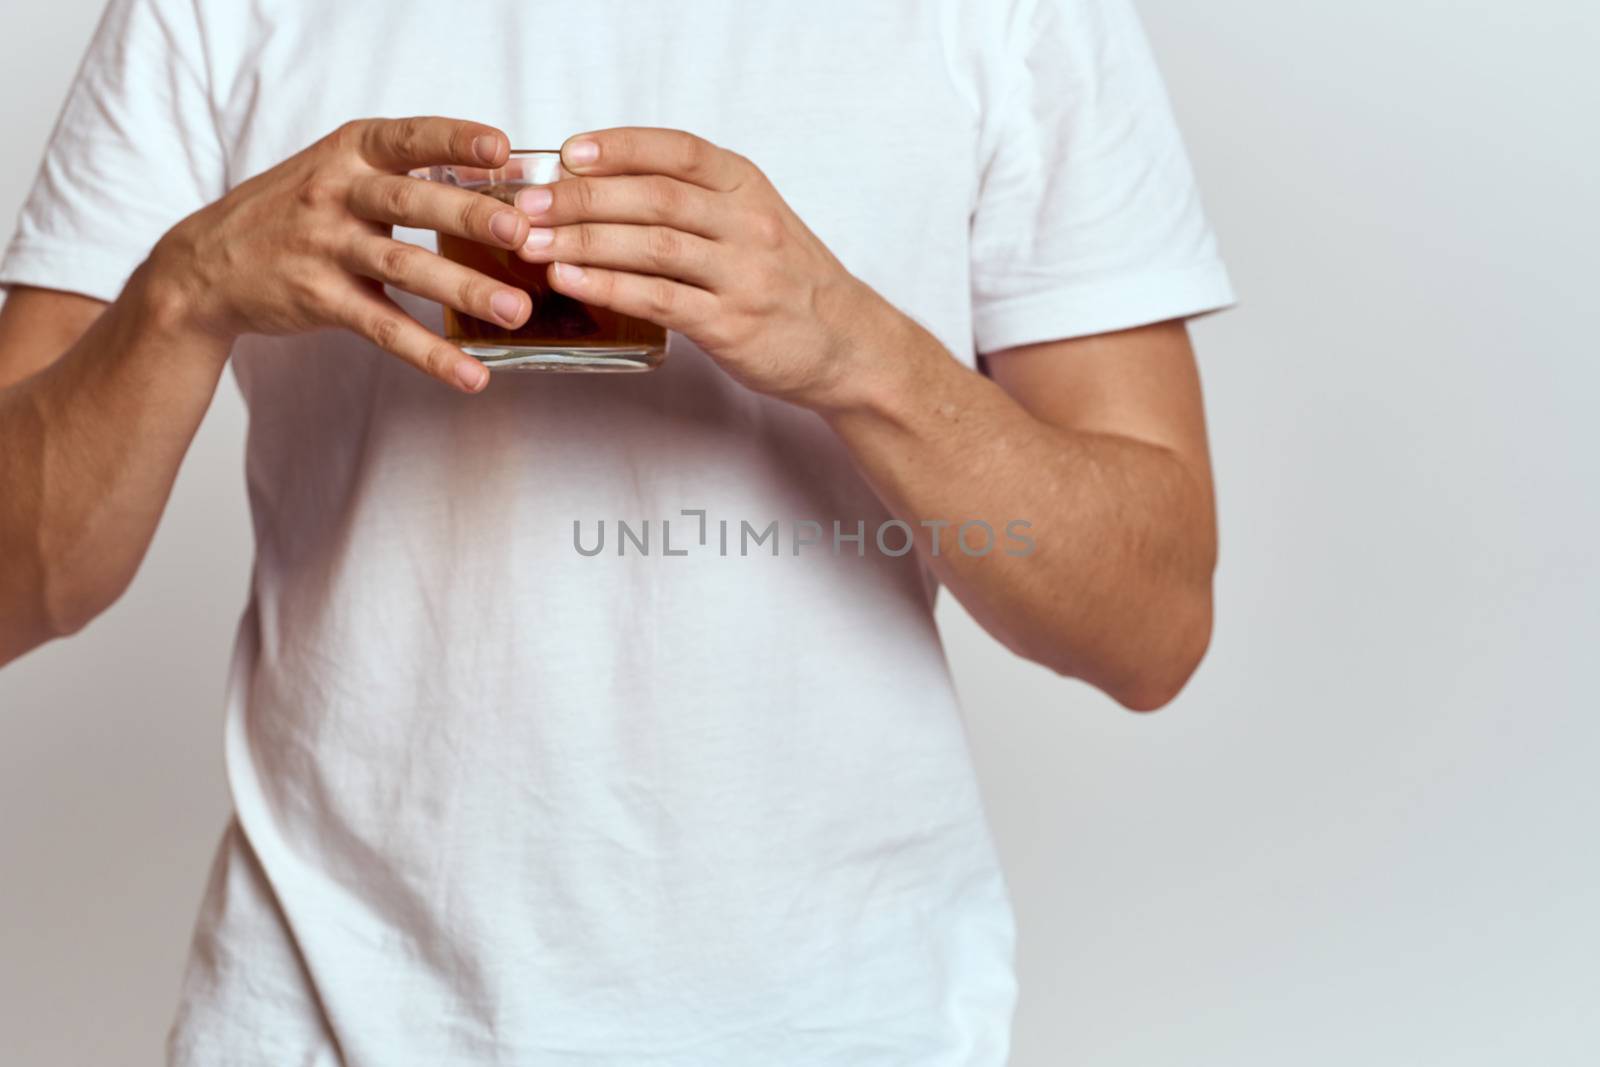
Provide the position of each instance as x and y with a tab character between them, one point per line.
583	196
321	300
738	329
473	297
471	218
438	359
715	335
384	330
767	228
347	135
405	135
312	241
309	291
397	262
399	196
663	197
696	155
763	282
662	298
663	246
751	174
317	190
585	238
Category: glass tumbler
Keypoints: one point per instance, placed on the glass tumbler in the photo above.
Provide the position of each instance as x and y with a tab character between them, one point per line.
562	334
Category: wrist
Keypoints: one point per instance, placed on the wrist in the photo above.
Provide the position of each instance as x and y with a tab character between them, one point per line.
883	360
166	302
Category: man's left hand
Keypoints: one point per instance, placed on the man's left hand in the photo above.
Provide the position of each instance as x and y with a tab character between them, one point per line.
665	226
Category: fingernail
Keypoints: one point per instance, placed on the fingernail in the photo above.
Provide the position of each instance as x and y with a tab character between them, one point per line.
485	148
569	273
539	238
504	226
581	152
472	376
506	306
534	200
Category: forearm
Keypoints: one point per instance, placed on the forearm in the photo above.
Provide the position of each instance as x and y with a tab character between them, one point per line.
1116	588
89	449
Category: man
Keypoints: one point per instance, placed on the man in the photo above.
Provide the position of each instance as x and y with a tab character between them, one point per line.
499	801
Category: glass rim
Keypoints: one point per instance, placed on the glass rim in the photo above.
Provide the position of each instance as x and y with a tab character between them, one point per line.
538	160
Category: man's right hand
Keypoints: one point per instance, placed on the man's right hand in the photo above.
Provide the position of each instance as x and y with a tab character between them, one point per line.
308	244
99	402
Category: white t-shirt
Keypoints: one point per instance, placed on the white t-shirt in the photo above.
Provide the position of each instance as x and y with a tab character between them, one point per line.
502	802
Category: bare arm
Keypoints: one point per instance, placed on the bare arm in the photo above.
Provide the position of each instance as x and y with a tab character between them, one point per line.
1099	444
98	403
89	447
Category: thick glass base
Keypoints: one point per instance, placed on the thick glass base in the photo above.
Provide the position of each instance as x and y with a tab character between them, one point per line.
572	360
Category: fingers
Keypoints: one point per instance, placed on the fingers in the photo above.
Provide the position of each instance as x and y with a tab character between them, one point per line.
416	270
404	201
401	144
651	150
676	306
657	250
380	321
639	199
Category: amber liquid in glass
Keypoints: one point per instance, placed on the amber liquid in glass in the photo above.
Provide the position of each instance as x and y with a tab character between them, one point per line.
561	333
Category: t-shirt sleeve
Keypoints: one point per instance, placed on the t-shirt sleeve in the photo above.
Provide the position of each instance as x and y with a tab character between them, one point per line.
1087	218
134	150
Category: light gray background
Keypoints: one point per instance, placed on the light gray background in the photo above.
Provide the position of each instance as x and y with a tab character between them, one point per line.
1367	832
